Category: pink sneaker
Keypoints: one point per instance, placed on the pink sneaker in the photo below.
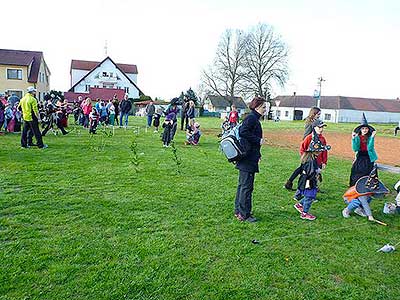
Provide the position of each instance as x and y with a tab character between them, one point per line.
307	216
298	207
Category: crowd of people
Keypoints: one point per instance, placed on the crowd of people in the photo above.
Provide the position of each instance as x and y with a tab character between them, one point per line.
363	182
105	112
52	115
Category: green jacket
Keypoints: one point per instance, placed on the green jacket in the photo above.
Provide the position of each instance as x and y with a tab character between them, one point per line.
28	105
355	143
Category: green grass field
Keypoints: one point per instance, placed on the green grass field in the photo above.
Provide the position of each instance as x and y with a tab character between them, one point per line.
90	218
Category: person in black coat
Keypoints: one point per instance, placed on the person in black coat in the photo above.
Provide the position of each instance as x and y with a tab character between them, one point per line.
250	133
125	107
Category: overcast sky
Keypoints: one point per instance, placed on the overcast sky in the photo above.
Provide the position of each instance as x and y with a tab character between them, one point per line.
353	44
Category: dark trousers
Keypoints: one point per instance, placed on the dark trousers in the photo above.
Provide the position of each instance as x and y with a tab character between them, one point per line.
244	193
295	174
49	126
31	128
149	119
173	130
86	121
166	138
184	121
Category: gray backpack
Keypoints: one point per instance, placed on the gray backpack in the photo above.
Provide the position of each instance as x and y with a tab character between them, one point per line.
230	145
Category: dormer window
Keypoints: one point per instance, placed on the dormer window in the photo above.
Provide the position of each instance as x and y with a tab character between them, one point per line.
105	74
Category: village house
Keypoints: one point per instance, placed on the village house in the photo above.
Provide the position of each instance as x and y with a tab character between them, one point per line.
222	104
20	69
140	107
90	77
338	109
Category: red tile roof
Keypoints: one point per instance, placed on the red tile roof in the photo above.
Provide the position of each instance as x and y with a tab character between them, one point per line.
23	58
94	93
89	65
341	102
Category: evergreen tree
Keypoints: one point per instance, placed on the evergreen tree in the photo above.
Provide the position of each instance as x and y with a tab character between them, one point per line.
182	98
191	95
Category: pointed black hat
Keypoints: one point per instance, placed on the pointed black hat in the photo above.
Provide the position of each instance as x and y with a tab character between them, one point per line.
371	184
316	144
364	123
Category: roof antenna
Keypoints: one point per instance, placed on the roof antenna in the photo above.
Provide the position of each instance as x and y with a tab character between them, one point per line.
105	48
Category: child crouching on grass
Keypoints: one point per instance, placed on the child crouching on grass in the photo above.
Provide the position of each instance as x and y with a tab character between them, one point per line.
307	187
193	134
360	195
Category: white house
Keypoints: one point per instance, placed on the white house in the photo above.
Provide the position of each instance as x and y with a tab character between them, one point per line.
337	108
222	104
105	74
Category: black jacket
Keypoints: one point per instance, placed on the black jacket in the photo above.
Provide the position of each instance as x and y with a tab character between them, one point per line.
250	136
125	106
308	173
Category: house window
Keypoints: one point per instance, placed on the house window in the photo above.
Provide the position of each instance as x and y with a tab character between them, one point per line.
16	93
14	74
96	86
328	117
278	113
286	113
126	90
87	88
105	74
108	85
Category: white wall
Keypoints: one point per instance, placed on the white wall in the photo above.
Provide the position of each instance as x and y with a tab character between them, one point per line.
77	75
341	116
324	112
132	77
346	115
106	66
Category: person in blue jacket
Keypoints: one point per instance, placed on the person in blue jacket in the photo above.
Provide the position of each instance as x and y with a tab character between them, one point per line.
251	140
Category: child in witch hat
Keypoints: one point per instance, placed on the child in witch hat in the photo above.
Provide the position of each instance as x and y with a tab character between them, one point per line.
307	186
363	144
322	157
360	195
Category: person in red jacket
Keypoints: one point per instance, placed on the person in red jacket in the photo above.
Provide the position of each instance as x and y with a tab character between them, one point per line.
233	117
322	158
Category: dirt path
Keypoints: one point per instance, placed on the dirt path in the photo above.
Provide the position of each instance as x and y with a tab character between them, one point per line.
388	149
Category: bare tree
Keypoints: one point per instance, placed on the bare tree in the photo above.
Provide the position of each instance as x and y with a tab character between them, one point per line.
226	73
266	61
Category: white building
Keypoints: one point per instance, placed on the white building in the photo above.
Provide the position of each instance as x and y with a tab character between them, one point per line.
337	108
105	74
222	104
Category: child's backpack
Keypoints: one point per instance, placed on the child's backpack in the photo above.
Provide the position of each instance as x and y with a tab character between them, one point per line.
230	145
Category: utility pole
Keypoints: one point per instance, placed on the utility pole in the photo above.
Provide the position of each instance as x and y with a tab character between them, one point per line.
294	106
320	80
